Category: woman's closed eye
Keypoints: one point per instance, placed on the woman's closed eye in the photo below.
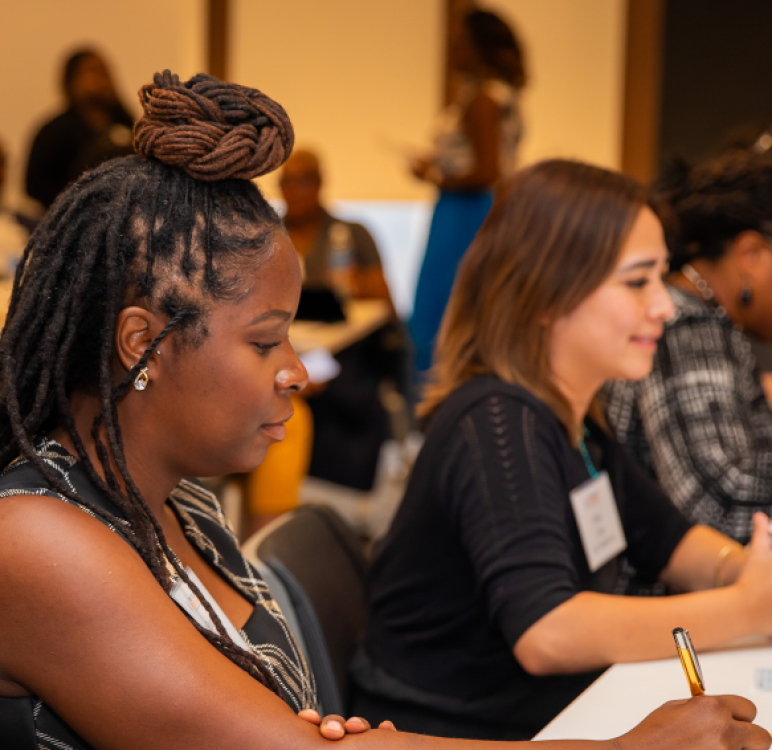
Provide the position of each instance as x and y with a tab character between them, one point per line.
637	283
265	348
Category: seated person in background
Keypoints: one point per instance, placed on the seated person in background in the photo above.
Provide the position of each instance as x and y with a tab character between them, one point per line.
148	341
699	422
94	127
338	254
15	228
350	423
489	610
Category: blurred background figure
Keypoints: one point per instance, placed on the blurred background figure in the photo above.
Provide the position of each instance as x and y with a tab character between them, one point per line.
338	254
700	423
15	227
94	127
474	147
339	427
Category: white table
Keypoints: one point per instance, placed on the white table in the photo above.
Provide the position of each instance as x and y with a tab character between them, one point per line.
363	316
625	694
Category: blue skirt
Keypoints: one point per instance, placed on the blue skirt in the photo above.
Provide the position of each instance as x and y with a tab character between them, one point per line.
456	219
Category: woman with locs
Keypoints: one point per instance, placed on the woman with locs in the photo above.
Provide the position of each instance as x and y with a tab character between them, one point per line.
147	341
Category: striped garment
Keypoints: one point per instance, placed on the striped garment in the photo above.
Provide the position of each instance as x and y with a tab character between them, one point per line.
207	529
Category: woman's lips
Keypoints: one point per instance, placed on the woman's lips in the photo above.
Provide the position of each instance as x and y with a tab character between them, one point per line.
650	342
276	430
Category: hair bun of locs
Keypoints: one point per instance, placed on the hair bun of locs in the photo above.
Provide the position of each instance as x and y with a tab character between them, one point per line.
210	129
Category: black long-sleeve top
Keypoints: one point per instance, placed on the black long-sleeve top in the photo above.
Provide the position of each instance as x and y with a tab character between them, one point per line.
485	544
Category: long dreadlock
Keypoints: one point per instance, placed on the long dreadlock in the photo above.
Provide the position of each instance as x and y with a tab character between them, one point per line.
170	231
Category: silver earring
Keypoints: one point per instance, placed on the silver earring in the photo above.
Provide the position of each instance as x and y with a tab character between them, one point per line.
141	381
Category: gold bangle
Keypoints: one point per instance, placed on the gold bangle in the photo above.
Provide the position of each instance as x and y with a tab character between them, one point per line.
722	555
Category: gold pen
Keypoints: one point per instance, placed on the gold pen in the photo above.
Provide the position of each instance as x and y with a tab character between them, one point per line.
689	661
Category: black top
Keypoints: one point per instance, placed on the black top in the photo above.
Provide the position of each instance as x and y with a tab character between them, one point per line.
484	545
66	146
31	723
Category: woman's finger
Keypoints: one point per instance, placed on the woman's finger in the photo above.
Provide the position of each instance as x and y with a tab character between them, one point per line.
311	716
356	725
333	727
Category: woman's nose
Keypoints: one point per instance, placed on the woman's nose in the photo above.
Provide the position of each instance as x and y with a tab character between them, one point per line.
294	377
662	307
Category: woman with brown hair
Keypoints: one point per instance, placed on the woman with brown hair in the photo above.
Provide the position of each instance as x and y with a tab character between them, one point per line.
491	595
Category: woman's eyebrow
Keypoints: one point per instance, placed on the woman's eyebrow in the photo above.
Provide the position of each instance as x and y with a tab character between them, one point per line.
271	314
637	265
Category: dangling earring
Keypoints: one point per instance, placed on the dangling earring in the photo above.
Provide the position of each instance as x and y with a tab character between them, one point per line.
141	381
745	297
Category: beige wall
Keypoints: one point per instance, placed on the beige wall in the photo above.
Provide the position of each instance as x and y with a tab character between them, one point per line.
573	104
138	38
357	74
356	77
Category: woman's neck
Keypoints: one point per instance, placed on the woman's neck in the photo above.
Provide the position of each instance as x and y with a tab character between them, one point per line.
145	467
579	396
720	280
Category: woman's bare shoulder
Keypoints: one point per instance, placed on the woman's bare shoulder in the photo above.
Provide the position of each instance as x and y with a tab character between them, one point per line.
87	627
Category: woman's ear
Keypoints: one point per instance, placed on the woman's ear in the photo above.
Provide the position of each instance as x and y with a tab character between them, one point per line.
135	330
746	250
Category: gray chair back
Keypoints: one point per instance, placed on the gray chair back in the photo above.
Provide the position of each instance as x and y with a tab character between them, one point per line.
321	564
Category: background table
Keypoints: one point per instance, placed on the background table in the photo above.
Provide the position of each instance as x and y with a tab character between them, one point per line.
626	693
363	316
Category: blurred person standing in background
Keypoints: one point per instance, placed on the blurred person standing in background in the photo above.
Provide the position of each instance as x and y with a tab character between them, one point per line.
94	127
474	147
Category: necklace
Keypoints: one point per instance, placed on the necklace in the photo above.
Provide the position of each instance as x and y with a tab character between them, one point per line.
586	454
689	271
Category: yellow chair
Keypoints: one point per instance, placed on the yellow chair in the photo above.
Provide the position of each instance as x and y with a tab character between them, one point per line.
273	487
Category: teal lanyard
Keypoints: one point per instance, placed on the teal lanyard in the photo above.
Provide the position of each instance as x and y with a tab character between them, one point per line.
585	453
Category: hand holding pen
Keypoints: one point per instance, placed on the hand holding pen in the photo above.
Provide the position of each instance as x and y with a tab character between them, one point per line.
689	662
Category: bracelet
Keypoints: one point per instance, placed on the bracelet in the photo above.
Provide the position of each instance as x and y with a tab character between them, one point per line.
722	555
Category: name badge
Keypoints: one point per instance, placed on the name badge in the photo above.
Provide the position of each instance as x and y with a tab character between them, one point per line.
597	517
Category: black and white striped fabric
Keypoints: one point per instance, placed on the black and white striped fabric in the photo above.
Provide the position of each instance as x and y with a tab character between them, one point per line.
700	422
205	526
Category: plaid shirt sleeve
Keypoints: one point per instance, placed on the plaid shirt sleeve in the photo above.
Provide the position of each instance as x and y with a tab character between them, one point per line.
700	420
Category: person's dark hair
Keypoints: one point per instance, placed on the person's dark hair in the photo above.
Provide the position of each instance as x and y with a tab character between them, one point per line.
497	46
704	207
554	234
71	65
170	230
